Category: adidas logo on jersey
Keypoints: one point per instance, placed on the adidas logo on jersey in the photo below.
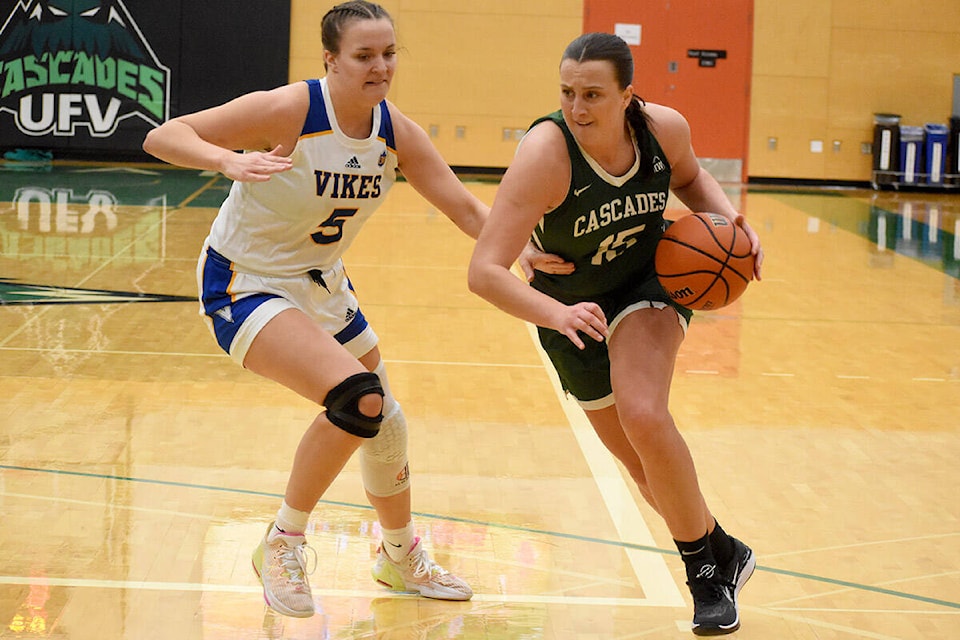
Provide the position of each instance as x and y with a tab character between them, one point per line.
225	313
353	163
351	313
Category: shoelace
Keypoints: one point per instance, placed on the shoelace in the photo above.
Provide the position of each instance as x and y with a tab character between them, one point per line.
711	590
423	565
294	562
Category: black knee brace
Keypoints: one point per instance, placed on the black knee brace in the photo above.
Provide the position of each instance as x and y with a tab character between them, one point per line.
343	405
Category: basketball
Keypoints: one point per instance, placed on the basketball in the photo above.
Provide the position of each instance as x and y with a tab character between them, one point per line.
703	261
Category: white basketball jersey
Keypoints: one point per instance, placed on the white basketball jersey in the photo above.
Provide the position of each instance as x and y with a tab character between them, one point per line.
306	217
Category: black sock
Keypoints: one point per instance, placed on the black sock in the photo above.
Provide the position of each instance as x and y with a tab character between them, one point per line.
721	544
698	558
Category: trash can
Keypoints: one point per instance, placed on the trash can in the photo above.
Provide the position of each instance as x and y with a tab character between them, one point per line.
911	154
953	153
935	151
886	143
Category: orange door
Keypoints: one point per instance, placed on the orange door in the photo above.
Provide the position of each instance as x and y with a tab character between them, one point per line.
694	56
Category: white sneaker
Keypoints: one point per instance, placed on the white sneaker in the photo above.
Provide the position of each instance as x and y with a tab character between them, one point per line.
280	563
417	573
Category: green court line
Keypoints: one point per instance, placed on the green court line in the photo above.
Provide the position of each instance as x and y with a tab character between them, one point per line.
554	534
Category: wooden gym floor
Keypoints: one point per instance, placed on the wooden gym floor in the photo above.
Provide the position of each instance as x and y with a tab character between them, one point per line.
139	465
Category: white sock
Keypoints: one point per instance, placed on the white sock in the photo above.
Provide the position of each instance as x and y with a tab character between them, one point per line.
397	542
290	520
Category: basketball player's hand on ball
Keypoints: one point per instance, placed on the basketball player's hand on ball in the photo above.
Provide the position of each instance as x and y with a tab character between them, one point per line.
584	317
256	166
755	249
531	258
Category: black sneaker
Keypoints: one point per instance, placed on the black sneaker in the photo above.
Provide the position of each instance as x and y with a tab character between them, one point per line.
714	611
740	568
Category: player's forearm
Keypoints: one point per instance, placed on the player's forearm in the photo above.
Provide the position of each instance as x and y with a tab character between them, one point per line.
178	144
500	287
704	193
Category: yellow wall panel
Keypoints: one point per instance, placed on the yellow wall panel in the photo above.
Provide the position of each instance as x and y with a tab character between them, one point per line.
461	64
481	141
791	38
480	73
478	68
898	16
794	111
849	162
870	73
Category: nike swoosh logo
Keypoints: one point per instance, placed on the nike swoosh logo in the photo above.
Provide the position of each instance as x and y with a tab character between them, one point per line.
394	545
577	192
692	553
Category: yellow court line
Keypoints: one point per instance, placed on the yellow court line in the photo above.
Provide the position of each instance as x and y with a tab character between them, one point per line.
651	569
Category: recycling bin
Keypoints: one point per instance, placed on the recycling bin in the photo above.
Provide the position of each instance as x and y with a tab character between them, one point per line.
911	154
935	151
953	152
886	143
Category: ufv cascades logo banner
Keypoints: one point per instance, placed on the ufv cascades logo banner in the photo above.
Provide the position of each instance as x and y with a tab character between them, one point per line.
67	64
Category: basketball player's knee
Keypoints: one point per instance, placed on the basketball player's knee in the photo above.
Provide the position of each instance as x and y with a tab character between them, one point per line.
644	416
356	405
383	460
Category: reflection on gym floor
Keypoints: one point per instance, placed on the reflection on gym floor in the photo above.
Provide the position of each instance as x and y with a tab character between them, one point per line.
138	465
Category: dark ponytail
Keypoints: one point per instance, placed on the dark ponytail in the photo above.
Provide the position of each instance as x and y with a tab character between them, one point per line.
637	117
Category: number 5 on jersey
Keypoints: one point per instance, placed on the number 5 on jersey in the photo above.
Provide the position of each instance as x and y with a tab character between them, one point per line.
331	229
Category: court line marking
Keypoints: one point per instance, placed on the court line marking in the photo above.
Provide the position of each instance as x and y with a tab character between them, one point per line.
855	632
207	587
555	534
430	363
907	612
858	545
317	534
652	572
221	355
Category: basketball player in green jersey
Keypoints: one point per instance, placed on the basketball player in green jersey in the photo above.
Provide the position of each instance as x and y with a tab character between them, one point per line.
590	184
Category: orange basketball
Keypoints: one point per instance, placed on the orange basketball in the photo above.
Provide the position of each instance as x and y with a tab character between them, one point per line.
703	261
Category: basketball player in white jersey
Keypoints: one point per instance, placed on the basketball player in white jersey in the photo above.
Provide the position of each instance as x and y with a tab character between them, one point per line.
320	157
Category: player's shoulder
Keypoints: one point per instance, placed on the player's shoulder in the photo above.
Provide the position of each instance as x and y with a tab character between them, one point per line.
404	127
670	128
545	138
542	158
664	116
289	101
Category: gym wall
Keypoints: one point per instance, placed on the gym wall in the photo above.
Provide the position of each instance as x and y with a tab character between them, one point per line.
471	72
822	68
473	75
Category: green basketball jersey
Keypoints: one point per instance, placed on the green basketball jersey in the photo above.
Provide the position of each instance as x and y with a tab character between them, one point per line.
608	226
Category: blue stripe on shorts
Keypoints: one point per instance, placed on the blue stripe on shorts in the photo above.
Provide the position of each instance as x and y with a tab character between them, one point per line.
226	313
357	324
